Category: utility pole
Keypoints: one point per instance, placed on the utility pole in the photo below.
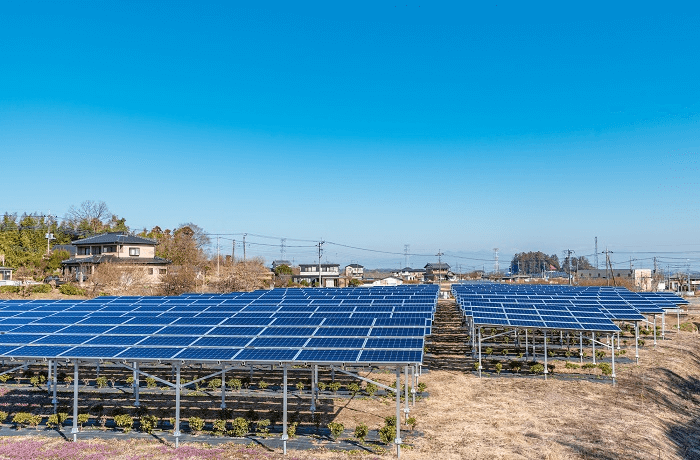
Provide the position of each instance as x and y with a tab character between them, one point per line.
218	272
49	237
608	264
320	251
439	254
405	254
244	235
233	252
495	263
283	247
596	253
568	259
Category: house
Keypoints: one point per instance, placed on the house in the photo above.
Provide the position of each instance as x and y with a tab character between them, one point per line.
355	271
641	277
386	281
6	276
410	274
309	273
437	272
277	263
118	248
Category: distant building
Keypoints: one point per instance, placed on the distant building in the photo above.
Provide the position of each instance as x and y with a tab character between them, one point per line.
410	274
385	281
330	274
6	276
117	248
681	281
277	263
355	271
437	272
641	277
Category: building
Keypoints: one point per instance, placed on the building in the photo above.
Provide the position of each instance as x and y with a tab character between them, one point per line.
437	272
385	281
277	263
330	274
641	277
410	274
117	248
6	276
355	271
680	282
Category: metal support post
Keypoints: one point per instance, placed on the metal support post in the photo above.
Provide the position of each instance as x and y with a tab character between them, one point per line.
397	440
545	354
98	369
636	341
74	430
48	380
534	354
284	409
413	386
561	338
480	353
178	389
618	340
136	384
527	350
580	351
332	374
313	389
663	326
223	388
406	410
655	330
54	401
612	349
593	344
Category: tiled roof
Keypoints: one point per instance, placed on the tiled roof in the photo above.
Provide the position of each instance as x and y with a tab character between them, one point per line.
114	238
98	259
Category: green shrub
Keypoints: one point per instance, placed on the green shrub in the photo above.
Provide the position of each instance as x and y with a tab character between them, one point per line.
235	384
70	289
600	354
123	421
550	368
336	429
262	426
263	384
489	351
537	368
361	431
371	389
4	378
196	424
411	422
34	381
219	427
322	386
421	387
605	368
3	416
504	351
300	386
9	289
150	382
589	366
40	289
354	388
390	420
130	381
476	366
214	384
148	423
569	365
53	421
239	427
101	382
334	386
387	434
292	429
21	419
499	367
83	419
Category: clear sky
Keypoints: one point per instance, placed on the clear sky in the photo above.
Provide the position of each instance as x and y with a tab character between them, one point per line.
447	125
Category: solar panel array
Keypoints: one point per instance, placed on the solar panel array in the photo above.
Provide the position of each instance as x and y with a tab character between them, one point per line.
558	307
383	325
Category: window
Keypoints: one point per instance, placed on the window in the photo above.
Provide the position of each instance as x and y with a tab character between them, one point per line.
150	271
109	249
163	271
84	251
134	251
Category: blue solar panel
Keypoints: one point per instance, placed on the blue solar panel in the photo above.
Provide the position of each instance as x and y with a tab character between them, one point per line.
39	351
342	332
38	328
391	356
395	343
398	332
212	354
288	331
335	342
184	330
328	355
92	352
168	341
20	339
116	340
238	331
149	353
232	342
279	342
59	339
266	354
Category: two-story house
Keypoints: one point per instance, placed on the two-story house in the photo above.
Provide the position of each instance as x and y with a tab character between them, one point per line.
330	274
117	248
410	274
437	272
355	271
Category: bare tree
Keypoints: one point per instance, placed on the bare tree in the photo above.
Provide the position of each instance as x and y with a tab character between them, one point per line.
90	214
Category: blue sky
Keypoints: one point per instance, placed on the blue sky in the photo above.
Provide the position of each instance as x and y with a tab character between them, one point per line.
445	126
